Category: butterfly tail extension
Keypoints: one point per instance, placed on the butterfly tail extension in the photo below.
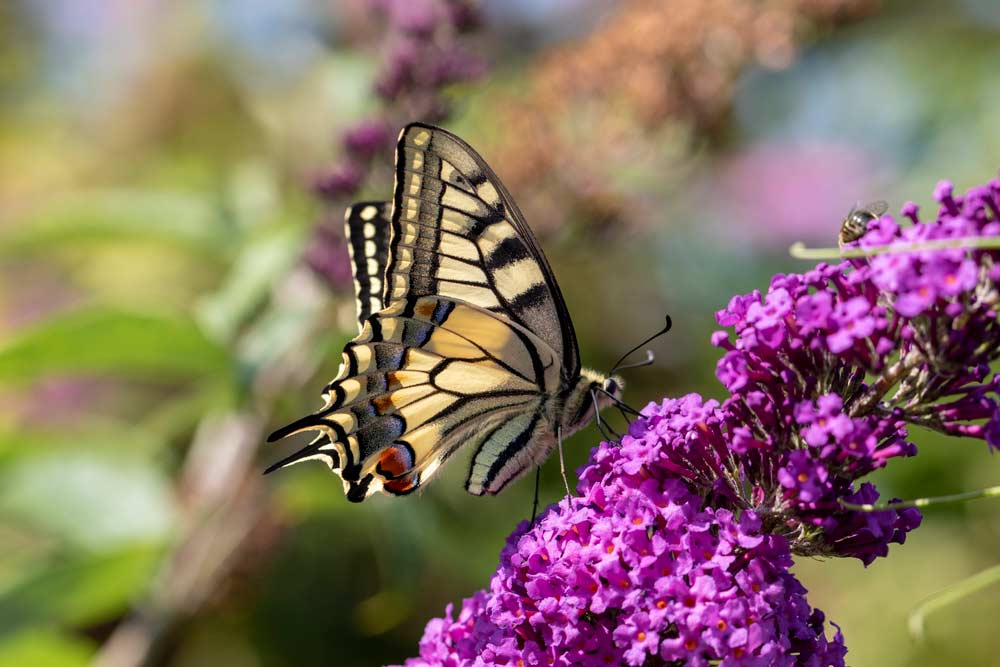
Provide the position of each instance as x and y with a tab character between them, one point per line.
313	450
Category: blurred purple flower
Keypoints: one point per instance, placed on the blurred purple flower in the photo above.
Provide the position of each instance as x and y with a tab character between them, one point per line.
327	255
368	139
424	56
339	181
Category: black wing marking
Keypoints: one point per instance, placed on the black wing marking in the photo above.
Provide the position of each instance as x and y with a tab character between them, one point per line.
457	232
367	227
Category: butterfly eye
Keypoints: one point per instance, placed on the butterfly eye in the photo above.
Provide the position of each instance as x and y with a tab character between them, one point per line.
611	386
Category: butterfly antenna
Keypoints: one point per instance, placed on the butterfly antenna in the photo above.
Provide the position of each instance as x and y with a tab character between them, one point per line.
649	353
648	361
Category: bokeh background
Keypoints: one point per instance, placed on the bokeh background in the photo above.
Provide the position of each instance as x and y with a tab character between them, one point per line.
172	286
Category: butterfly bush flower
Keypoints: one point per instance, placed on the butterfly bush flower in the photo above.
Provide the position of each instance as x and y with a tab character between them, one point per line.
637	570
678	547
829	369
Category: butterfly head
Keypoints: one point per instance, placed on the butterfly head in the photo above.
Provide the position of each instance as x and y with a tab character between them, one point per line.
593	391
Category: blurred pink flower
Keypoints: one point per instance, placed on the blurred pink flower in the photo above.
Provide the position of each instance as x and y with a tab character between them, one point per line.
794	192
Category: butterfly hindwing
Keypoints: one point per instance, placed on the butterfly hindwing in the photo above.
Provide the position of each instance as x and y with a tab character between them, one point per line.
367	227
456	232
426	376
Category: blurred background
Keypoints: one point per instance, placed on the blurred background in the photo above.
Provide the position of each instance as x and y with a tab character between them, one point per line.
174	285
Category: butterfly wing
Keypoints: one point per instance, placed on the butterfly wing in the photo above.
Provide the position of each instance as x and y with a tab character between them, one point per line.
426	376
456	232
367	227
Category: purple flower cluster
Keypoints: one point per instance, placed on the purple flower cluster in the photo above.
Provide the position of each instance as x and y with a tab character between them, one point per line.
678	549
424	55
790	464
830	367
637	570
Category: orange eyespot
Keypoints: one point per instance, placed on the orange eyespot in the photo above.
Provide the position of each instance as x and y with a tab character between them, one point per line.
393	381
395	462
383	404
424	309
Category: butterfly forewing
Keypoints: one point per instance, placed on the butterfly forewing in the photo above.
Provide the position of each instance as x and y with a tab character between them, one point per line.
367	228
456	232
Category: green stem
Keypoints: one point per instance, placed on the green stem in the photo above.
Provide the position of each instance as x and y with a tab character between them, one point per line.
991	492
948	595
800	251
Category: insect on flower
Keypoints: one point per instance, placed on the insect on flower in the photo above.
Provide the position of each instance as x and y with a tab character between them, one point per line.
854	226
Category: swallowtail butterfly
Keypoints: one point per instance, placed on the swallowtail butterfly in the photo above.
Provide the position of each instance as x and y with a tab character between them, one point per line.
465	340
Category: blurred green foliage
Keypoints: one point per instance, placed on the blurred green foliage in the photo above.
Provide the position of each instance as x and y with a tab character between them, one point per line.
156	320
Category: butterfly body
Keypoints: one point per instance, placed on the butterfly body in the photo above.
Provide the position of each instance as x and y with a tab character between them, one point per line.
464	340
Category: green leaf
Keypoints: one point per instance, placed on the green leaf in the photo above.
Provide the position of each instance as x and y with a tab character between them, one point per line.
37	647
107	436
259	265
103	340
93	500
103	215
80	590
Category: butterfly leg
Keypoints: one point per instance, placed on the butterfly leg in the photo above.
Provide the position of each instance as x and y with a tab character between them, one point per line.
597	418
534	504
562	461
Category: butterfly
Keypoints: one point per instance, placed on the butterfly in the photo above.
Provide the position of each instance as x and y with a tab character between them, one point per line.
855	225
464	338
